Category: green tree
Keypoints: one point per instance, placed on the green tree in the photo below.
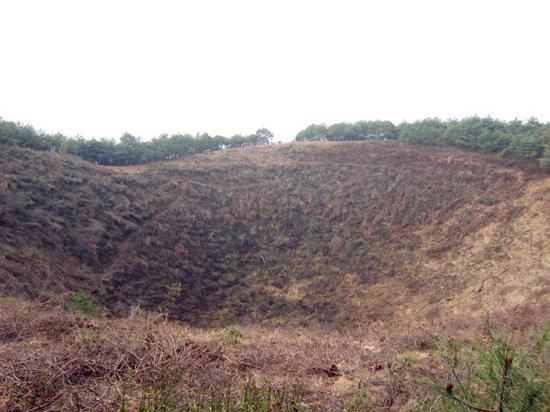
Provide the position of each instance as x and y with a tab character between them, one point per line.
429	130
313	132
81	302
495	377
263	136
545	159
477	133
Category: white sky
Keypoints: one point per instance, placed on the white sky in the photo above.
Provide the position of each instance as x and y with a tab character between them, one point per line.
99	68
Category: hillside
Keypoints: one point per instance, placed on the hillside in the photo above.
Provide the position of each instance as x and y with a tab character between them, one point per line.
352	276
327	233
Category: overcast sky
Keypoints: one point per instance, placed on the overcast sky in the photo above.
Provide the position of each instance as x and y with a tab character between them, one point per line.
100	68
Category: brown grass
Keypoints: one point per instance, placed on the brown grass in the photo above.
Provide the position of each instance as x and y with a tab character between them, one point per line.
54	360
300	233
358	255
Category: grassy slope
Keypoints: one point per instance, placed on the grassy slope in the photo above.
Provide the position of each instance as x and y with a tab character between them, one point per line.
335	233
346	234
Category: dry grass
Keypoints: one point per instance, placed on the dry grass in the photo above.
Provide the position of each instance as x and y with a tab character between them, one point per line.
54	360
300	233
359	255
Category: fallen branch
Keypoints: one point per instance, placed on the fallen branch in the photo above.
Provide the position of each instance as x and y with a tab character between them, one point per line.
331	372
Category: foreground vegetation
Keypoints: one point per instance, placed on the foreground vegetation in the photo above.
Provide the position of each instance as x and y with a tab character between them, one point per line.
52	359
496	375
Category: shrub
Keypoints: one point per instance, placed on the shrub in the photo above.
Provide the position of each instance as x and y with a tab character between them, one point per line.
410	245
81	302
90	337
544	161
358	402
407	359
234	334
497	376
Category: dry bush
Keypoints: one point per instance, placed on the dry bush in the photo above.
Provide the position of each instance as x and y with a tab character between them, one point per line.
101	364
96	362
420	338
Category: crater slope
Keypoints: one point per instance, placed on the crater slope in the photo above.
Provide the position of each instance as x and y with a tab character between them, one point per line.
339	233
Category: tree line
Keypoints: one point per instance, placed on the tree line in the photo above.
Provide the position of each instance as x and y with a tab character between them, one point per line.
128	149
517	140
